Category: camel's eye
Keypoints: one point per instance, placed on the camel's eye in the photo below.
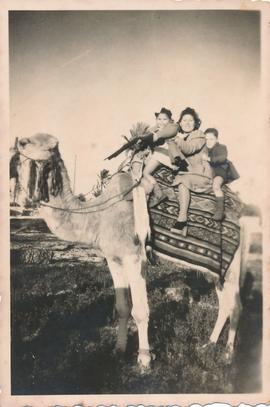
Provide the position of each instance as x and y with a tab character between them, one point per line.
24	141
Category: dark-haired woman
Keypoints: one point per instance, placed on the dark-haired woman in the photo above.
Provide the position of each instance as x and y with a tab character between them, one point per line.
192	144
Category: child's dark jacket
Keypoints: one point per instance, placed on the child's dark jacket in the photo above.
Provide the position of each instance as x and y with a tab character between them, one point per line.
218	156
218	160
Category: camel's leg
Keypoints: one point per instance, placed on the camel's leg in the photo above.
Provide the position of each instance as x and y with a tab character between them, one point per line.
229	307
237	268
122	303
223	315
123	310
249	225
140	308
234	320
229	303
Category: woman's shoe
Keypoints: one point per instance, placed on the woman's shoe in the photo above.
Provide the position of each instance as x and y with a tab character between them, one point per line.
180	228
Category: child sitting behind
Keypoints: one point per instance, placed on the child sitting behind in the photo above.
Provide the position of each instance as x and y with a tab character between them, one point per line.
224	170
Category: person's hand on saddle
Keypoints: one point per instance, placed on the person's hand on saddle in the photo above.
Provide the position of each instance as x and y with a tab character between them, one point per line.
181	163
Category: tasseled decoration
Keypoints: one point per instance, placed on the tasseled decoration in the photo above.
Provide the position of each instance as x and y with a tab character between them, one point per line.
43	183
53	167
139	129
32	178
13	166
57	180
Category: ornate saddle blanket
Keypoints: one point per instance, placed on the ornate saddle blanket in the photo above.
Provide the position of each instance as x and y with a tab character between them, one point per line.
208	243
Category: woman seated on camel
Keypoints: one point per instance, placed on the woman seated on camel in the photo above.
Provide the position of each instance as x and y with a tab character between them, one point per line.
192	144
165	129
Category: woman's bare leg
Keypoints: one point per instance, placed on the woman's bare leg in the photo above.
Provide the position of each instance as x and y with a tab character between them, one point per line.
184	199
150	167
219	210
217	184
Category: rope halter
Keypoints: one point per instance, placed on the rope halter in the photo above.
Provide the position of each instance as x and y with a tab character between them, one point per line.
99	206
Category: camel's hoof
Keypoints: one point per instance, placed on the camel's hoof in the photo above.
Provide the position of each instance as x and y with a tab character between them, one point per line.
204	346
144	370
228	354
144	361
120	347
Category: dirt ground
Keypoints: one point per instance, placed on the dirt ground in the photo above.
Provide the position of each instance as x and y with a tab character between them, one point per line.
64	325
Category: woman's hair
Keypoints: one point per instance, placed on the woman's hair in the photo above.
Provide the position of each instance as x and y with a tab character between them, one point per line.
212	130
194	114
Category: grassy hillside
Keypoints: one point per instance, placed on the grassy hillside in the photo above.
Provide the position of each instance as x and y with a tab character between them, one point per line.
64	326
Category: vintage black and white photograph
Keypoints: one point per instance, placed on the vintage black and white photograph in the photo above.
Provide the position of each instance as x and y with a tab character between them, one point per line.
137	188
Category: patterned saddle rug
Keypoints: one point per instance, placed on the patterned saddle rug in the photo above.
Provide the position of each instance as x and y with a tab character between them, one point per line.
208	243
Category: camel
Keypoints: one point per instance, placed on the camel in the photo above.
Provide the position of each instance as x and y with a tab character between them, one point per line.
107	224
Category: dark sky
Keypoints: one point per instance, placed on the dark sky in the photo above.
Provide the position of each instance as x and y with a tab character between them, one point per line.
132	38
87	76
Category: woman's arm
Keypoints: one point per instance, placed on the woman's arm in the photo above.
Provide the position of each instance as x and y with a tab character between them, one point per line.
167	132
191	145
158	137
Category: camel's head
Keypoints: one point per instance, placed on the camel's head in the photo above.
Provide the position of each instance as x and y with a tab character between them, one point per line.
38	147
40	167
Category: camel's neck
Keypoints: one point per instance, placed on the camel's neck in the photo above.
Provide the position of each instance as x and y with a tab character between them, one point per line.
63	222
66	199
